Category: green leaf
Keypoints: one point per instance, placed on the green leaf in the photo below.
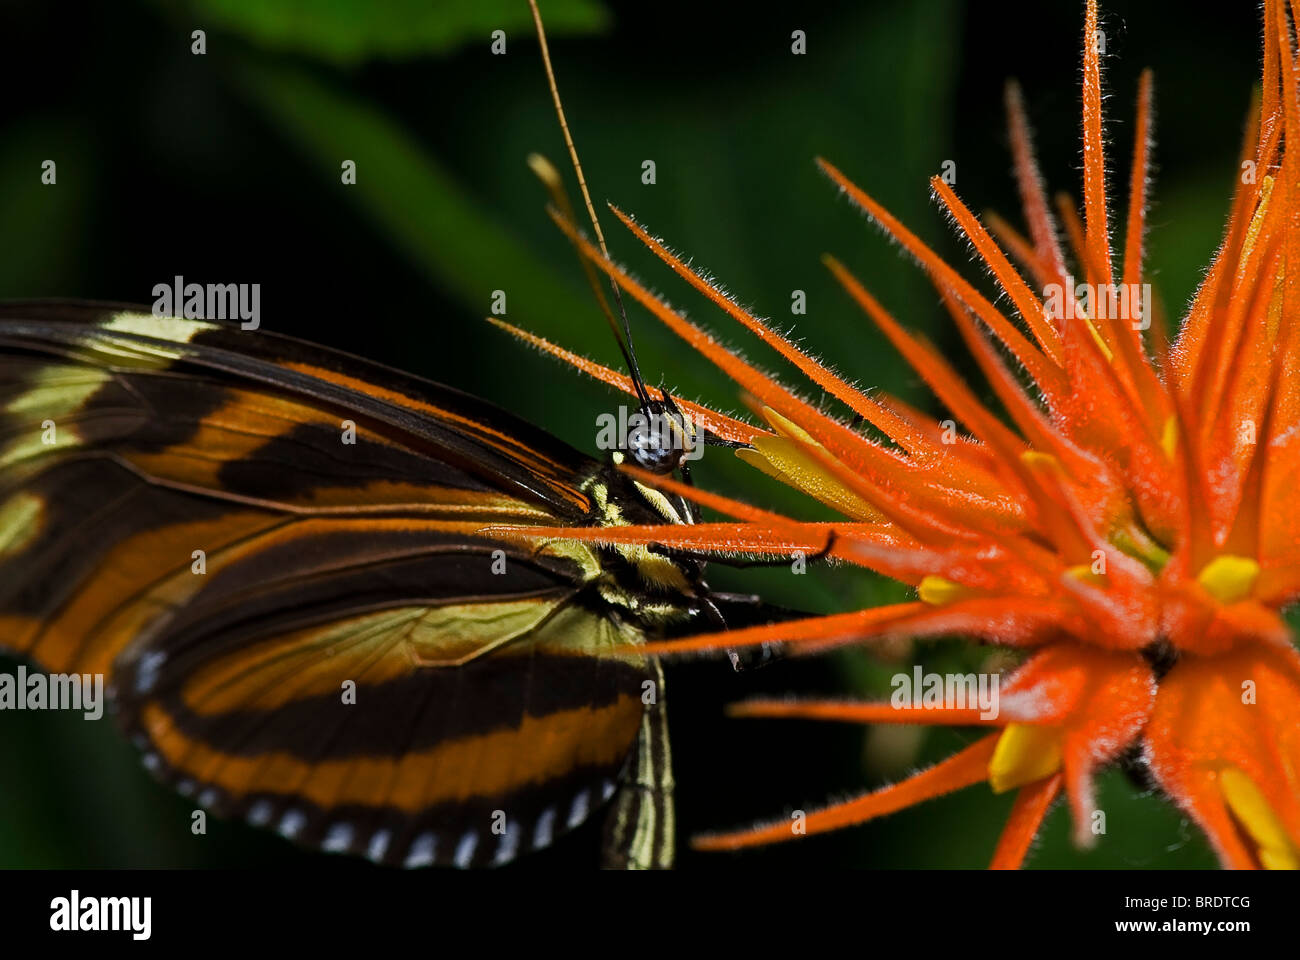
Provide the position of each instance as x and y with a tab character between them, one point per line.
414	200
351	31
43	222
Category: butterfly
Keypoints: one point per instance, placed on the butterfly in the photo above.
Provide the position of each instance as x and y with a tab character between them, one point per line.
275	553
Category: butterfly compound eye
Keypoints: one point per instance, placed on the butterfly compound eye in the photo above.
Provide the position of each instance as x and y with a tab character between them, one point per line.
657	441
653	449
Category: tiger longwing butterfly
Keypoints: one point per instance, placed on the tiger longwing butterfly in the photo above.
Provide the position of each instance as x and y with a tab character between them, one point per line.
282	558
315	634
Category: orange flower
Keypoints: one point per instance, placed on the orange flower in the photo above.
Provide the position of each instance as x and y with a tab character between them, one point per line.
1132	529
1224	739
1062	714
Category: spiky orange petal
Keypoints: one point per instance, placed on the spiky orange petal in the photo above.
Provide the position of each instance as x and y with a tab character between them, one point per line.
1027	814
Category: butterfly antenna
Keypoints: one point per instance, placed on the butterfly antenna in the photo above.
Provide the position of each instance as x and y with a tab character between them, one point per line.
550	179
557	191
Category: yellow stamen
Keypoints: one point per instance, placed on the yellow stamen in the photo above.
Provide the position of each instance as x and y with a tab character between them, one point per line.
1253	812
1169	438
1135	542
1257	221
1097	337
1229	578
1084	572
1274	318
938	591
1105	350
1039	462
1025	753
786	458
786	427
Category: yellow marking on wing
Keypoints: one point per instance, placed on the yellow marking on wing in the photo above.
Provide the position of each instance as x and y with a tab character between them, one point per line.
173	329
370	649
20	522
55	394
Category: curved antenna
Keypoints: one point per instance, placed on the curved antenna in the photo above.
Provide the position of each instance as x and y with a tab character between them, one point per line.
550	179
625	338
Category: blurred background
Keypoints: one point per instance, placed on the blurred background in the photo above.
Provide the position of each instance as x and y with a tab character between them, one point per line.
225	167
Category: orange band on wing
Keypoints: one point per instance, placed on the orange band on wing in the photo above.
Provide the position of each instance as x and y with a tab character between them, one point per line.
540	748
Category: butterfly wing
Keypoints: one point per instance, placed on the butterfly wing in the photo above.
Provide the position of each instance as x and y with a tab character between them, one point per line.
272	551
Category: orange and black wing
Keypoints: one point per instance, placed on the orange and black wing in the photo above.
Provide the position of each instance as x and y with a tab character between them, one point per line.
272	551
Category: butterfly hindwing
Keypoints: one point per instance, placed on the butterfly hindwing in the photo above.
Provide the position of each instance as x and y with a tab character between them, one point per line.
344	734
272	550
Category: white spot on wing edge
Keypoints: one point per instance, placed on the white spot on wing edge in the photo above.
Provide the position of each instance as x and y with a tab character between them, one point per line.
508	847
146	674
421	852
338	838
578	812
544	830
259	814
464	855
291	823
378	845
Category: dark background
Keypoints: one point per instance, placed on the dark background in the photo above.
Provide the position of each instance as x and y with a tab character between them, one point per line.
225	168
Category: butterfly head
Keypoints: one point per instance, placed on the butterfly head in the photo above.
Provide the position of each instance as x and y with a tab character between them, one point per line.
660	439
